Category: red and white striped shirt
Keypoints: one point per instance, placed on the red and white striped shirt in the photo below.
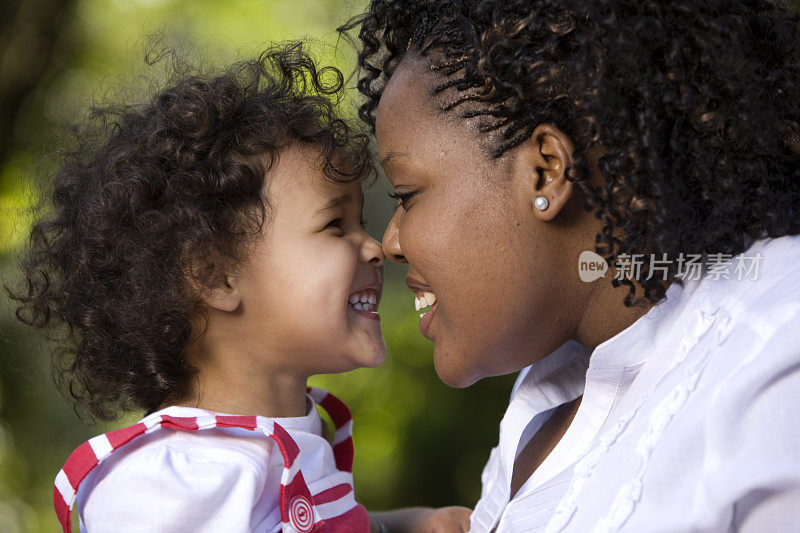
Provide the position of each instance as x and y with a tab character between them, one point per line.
187	469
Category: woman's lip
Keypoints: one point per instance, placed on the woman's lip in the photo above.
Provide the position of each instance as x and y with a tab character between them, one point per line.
425	321
416	285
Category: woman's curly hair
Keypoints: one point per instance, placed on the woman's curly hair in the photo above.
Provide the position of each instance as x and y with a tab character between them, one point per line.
694	104
156	203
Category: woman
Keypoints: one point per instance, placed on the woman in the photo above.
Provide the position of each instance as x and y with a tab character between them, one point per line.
522	138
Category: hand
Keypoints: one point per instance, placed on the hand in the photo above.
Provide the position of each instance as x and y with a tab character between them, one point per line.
453	519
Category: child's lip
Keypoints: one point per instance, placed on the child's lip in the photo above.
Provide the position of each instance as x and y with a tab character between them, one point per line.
369	314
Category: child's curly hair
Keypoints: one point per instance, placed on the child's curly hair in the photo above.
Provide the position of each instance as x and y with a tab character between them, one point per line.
696	105
157	203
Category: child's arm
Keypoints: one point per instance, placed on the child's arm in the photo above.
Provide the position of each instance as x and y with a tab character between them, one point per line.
453	519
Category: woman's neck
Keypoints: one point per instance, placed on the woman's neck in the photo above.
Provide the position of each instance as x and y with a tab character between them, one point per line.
606	315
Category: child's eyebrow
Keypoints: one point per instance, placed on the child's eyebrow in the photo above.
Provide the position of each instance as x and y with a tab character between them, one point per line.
338	201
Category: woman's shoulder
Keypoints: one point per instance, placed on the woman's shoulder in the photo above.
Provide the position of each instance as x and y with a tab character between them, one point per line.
762	309
751	299
769	270
747	397
748	368
754	336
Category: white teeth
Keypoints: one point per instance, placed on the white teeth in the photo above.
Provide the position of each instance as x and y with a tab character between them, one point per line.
365	307
366	297
424	299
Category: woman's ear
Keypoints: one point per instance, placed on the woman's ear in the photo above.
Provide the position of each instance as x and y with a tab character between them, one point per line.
545	157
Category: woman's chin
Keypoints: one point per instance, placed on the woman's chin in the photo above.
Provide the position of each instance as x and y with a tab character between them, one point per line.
451	372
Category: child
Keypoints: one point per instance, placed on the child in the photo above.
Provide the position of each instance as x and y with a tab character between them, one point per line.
208	255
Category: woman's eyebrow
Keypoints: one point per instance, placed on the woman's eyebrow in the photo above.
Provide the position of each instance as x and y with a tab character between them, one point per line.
392	155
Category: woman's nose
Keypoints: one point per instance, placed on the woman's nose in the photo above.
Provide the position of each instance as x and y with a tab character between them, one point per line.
391	241
372	253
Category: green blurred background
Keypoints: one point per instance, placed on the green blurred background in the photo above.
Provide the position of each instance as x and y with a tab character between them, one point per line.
418	442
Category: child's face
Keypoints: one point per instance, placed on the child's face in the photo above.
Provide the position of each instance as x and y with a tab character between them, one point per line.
311	261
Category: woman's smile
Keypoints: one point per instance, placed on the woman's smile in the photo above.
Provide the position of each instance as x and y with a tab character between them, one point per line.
425	301
425	320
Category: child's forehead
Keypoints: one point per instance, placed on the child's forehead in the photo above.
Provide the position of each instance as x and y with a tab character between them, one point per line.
298	176
344	192
329	190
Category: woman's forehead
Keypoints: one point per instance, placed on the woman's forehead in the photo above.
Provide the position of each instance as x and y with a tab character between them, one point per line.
402	95
409	113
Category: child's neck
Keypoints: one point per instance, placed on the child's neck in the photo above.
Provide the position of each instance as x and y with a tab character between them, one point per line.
272	398
236	389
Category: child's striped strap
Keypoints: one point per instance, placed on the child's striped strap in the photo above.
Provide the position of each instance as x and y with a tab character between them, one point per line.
343	451
332	510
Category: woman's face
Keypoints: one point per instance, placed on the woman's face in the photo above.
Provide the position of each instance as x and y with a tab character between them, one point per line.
504	277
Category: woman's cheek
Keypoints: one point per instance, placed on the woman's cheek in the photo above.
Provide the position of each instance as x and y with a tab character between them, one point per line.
419	237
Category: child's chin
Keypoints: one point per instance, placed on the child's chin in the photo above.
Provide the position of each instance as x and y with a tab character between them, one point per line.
375	359
359	360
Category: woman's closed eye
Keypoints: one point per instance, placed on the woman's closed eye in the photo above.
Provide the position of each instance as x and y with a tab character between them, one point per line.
403	197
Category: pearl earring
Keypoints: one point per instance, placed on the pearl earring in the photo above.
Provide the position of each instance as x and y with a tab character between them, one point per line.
541	203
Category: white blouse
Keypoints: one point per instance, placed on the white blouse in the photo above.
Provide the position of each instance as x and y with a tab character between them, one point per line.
688	420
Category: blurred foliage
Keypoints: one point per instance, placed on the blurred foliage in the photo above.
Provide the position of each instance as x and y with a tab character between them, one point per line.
418	442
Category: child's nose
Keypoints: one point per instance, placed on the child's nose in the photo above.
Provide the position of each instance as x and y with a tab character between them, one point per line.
372	253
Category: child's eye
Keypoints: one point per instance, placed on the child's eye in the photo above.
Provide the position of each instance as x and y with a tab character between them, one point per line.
336	223
403	197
